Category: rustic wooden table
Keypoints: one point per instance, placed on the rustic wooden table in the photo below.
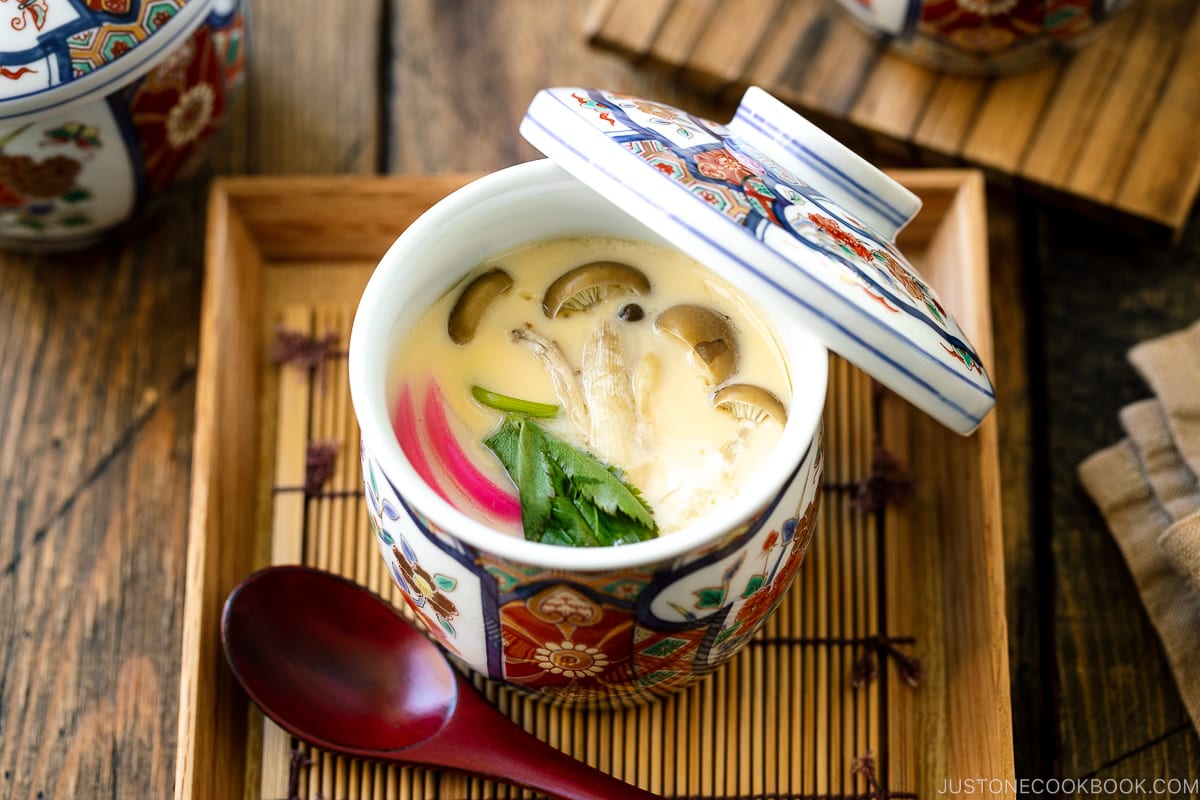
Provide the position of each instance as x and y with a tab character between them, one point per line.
98	356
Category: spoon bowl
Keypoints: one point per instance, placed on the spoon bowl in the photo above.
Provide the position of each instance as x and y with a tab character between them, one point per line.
336	666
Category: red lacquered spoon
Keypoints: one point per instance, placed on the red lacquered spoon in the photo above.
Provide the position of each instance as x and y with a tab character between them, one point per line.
337	667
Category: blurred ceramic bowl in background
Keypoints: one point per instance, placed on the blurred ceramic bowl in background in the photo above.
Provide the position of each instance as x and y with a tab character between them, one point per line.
102	104
983	37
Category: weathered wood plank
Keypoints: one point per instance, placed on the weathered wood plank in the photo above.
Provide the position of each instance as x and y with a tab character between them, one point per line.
1114	689
682	28
834	76
1007	117
97	364
948	116
1170	767
465	119
629	26
1110	145
1069	118
99	350
1025	529
893	98
90	666
728	43
1078	126
313	91
1166	166
788	44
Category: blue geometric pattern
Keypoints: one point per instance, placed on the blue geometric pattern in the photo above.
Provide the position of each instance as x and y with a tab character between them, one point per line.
851	282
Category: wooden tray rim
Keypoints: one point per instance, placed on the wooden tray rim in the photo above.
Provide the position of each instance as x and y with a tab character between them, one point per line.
243	211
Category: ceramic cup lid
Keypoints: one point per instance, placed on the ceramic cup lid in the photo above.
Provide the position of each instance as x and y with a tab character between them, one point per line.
57	52
786	213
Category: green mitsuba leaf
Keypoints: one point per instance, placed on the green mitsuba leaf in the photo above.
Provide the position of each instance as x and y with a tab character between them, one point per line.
567	496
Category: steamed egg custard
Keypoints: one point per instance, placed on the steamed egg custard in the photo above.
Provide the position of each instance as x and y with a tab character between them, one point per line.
590	391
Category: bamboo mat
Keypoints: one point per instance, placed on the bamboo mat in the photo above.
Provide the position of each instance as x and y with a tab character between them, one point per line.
781	721
1115	125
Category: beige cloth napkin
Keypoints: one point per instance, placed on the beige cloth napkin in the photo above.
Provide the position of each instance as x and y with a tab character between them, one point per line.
1114	479
1173	483
1171	365
1148	489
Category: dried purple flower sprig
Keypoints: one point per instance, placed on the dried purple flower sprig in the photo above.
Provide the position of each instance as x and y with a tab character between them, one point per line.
303	350
866	669
888	483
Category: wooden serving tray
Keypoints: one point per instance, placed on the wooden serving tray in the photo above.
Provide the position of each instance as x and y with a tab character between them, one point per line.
922	577
1115	124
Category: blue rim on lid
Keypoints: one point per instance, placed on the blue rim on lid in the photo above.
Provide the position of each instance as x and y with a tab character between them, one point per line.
783	211
55	54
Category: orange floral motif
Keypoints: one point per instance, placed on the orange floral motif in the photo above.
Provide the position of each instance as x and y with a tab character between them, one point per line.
564	606
844	238
39	180
722	165
30	11
423	587
110	6
178	108
587	102
560	637
763	601
571	660
653	109
902	276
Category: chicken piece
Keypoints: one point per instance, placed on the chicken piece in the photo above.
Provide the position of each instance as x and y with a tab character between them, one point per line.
608	388
645	382
566	385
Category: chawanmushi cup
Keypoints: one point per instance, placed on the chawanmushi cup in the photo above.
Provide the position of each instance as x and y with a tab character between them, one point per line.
805	230
590	624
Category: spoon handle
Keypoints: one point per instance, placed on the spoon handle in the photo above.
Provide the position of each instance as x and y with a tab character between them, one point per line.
489	745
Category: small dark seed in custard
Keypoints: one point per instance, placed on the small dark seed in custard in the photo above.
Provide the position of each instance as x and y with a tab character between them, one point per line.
630	312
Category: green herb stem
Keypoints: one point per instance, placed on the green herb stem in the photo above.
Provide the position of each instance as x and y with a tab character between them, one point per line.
513	405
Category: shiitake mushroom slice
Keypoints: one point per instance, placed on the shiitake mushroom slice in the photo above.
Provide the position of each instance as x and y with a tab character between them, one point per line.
708	334
473	303
584	286
749	402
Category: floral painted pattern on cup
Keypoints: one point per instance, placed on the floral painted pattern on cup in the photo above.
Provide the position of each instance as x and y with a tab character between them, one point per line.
616	635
